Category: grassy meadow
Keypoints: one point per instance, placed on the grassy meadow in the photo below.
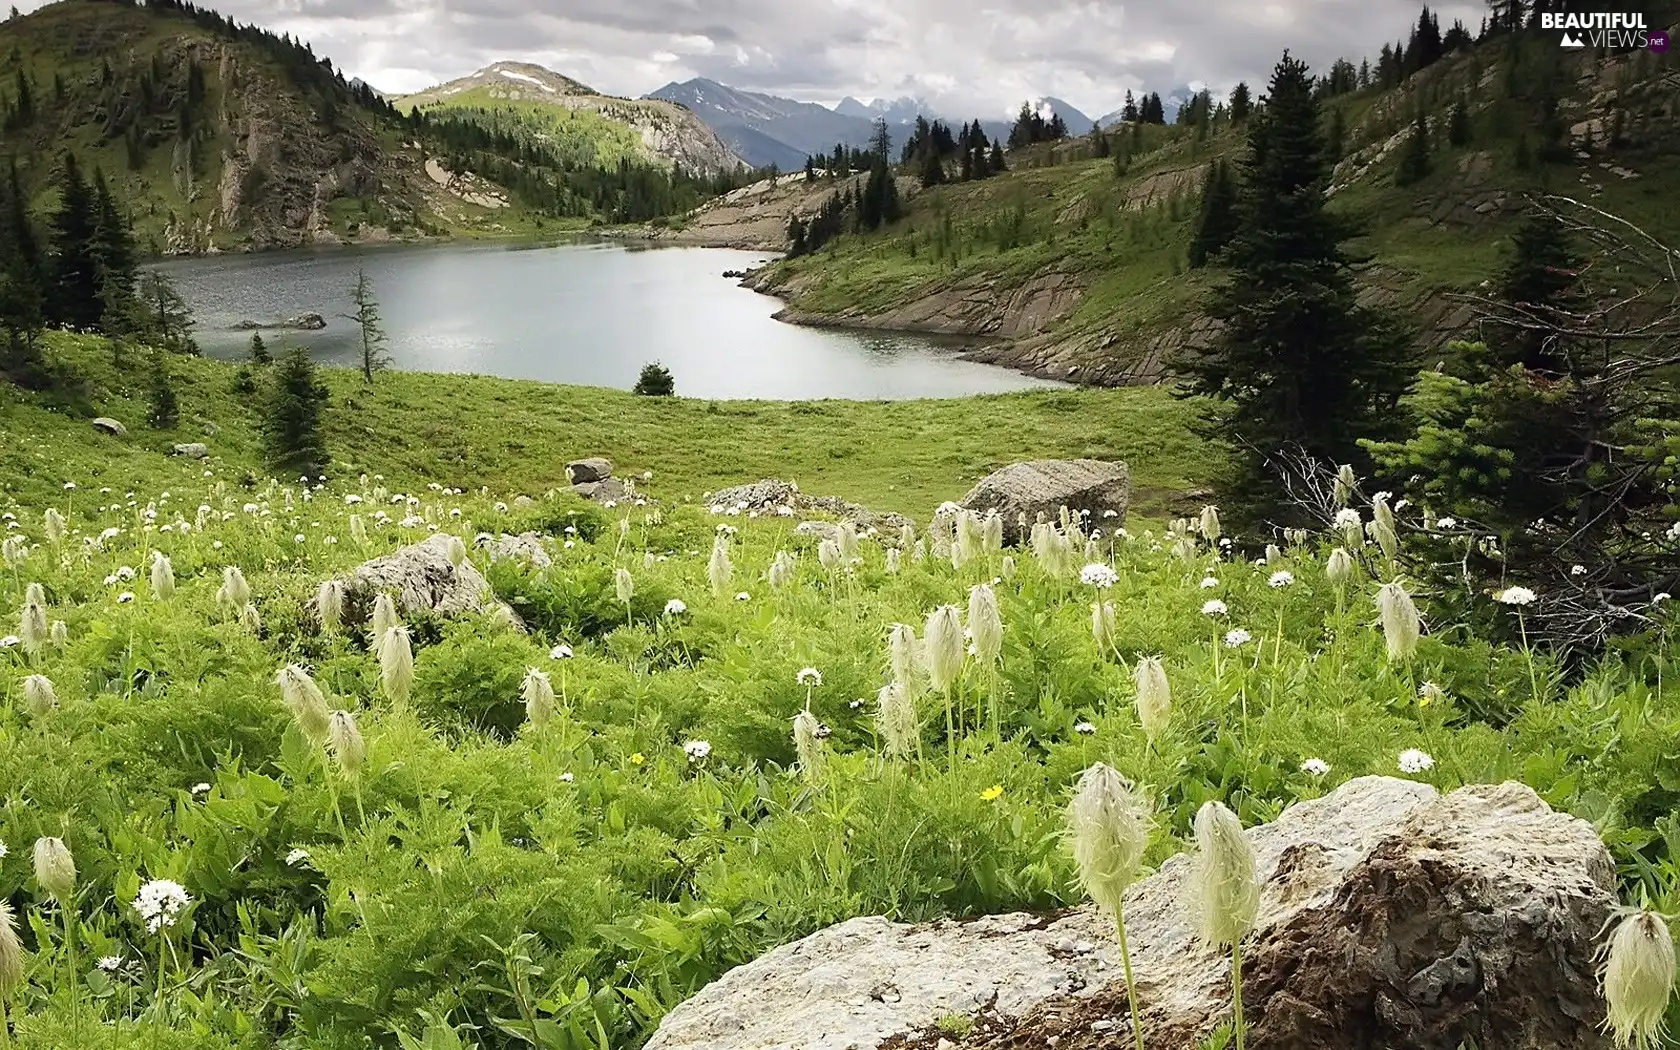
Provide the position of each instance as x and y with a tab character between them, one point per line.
550	837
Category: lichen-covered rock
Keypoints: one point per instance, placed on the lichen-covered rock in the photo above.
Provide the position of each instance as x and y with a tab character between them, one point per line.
193	450
526	547
110	426
603	491
1390	916
420	579
595	468
1044	486
770	494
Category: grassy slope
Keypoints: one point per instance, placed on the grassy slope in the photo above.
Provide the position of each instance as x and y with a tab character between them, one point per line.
594	846
517	436
1124	239
580	136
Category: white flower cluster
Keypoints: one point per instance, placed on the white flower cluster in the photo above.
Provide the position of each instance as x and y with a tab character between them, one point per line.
160	902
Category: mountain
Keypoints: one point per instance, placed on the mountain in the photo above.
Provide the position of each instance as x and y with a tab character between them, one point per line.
585	125
1170	101
220	136
1077	122
766	129
903	110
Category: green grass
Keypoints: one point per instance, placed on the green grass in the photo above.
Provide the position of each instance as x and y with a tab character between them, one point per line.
586	874
467	431
579	137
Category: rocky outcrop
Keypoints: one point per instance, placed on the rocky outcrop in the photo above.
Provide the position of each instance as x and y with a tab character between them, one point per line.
300	323
976	304
593	479
769	495
110	426
1100	490
596	468
421	580
526	547
1390	916
192	450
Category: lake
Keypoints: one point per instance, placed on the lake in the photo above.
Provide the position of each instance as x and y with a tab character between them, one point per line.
583	313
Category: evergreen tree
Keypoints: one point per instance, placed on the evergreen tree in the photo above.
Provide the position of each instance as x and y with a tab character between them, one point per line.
259	351
1099	142
1414	157
1298	361
114	256
933	170
1335	143
371	328
997	164
74	298
1129	111
796	237
163	411
162	315
656	381
292	416
1241	103
1217	224
1541	279
1458	125
810	170
22	282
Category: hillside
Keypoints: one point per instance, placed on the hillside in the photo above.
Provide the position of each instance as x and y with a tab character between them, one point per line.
594	756
584	126
1078	267
219	136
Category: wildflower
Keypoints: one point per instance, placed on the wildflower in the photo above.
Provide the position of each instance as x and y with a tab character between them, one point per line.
675	607
846	541
624	585
1210	524
743	596
1445	524
1346	482
384	616
345	742
54	525
1577	570
637	759
1209	582
538	694
1430	693
297	856
127	596
1098	575
899	726
904	657
456	551
329	605
55	869
1227	894
307	703
1274	554
1637	979
807	741
235	593
201	788
1339	569
781	570
560	652
1214	608
1237	638
1518	596
1280	579
1400	622
828	555
1349	520
567	777
1414	761
249	617
808	676
32	625
38	693
942	647
358	530
160	903
1084	728
109	963
985	623
992	794
719	570
697	750
396	663
1315	767
11	953
1154	696
1108	830
1008	568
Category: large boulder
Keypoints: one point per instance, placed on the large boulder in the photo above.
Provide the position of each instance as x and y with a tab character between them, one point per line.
595	468
526	547
421	580
1390	916
110	426
771	494
607	490
193	450
1100	489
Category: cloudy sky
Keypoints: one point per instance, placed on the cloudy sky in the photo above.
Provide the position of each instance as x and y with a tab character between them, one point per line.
969	56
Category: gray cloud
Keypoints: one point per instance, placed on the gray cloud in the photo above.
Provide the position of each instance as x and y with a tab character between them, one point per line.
967	56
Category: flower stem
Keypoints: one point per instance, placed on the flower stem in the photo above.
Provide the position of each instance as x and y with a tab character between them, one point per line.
1236	992
1131	984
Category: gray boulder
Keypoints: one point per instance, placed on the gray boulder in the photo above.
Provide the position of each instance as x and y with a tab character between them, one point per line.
1045	486
583	471
1390	916
193	450
420	579
603	491
769	494
110	426
526	547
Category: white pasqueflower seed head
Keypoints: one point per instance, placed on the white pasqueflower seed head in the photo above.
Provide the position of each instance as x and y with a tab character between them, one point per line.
396	664
1346	484
163	577
55	869
1154	696
1210	524
249	617
1274	554
992	533
11	953
1400	621
60	634
893	558
235	593
808	743
624	585
942	647
456	551
53	524
306	701
344	741
828	555
538	693
846	539
32	625
1637	979
904	656
358	530
329	605
906	535
1339	569
897	720
1105	625
384	616
1108	830
39	695
1226	893
985	623
1008	570
719	570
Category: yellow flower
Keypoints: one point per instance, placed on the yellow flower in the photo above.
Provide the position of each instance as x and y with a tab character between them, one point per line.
993	793
637	759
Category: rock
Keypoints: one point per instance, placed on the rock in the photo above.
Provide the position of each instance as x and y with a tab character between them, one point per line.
110	426
1045	486
526	547
1390	916
420	579
523	501
769	494
818	530
607	489
209	428
300	323
596	468
760	495
193	450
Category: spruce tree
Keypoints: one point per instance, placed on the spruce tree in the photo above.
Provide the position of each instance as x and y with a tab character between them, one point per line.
163	411
1241	104
1540	279
1298	362
74	298
1458	125
22	284
259	351
1218	221
997	164
1414	158
370	327
292	416
114	255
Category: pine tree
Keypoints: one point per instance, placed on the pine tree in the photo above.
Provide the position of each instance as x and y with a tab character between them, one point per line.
655	381
933	171
1099	142
810	170
22	282
163	411
371	328
114	256
1217	224
1541	277
1458	125
1336	139
74	298
1414	158
162	314
997	164
292	416
259	351
1298	361
1129	111
1241	103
